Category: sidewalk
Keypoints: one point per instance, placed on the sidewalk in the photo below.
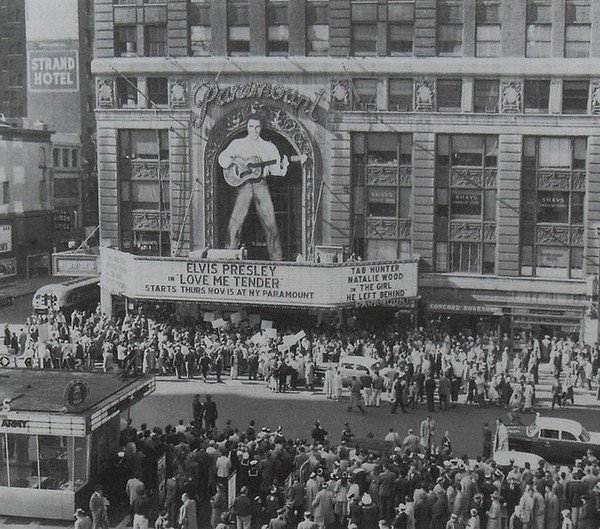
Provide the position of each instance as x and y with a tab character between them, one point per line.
23	287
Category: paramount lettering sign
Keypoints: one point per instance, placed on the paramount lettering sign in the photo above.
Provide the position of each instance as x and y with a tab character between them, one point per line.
258	282
53	71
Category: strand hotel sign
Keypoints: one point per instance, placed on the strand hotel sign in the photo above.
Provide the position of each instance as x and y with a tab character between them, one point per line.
52	71
259	282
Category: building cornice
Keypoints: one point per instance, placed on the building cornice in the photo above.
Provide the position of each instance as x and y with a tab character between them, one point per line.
354	66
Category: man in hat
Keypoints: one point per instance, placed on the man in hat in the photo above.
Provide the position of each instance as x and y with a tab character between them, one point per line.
402	519
312	488
494	513
323	507
210	413
307	523
356	394
98	505
242	508
427	434
187	518
474	522
318	433
279	521
453	522
82	521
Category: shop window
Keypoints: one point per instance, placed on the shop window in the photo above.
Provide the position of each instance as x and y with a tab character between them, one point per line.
156	41
365	94
125	41
144	144
23	470
536	96
400	95
539	28
158	93
390	200
278	35
552	194
449	28
363	28
575	97
127	92
317	28
577	28
486	95
201	40
487	29
449	95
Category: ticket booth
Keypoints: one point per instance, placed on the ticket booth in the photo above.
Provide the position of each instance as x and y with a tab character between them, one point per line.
59	431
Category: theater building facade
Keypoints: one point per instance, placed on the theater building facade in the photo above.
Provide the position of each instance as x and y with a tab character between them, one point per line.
461	133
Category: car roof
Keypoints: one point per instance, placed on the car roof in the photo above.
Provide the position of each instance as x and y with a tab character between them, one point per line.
504	457
554	423
362	360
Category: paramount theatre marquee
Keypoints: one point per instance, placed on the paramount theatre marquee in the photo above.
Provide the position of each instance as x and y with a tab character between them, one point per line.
256	283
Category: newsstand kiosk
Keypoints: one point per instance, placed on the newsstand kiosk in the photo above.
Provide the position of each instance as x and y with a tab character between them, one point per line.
59	431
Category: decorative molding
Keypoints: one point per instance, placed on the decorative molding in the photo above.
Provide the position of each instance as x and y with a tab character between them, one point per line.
209	92
382	229
553	180
105	93
149	220
466	177
148	170
278	120
554	235
178	93
404	229
340	94
405	176
465	231
595	98
489	233
490	178
424	95
382	175
578	179
512	97
577	233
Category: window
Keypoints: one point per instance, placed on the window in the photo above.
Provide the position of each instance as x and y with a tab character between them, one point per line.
486	95
201	40
449	95
400	96
125	41
539	28
144	145
401	19
317	28
487	29
553	186
55	157
568	436
465	195
549	434
74	158
66	188
575	97
6	192
157	91
278	35
127	94
536	96
238	30
449	28
364	29
375	199
577	28
365	94
156	41
65	158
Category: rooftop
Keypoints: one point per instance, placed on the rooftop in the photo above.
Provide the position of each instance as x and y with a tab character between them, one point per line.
36	390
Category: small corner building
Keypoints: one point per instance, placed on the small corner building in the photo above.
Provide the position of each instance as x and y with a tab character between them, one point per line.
59	434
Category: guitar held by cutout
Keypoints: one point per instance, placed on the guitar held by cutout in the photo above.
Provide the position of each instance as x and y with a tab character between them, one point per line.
240	171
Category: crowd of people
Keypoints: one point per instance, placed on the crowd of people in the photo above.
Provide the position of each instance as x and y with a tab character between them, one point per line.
412	481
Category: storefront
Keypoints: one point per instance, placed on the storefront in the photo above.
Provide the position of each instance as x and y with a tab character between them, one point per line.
59	432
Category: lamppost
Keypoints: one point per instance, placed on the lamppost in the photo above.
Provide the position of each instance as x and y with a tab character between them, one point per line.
598	287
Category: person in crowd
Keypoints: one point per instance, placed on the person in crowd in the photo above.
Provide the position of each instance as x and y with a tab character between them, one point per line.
98	508
82	520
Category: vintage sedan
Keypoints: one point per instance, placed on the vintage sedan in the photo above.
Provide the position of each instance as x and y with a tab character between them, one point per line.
556	440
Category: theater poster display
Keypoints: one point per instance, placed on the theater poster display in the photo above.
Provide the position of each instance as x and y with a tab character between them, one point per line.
258	282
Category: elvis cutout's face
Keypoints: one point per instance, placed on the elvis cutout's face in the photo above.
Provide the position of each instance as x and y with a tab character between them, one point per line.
254	128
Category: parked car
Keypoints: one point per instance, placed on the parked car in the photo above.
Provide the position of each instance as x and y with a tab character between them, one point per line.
358	366
557	440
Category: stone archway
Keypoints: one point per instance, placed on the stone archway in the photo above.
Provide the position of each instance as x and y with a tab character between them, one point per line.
280	121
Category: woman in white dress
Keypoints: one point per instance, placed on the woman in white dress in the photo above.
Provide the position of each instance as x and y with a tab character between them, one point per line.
338	383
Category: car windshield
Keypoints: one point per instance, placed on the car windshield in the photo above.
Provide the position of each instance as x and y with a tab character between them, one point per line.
584	436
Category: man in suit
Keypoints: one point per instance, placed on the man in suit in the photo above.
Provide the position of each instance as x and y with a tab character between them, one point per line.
427	433
98	505
187	513
307	523
210	413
